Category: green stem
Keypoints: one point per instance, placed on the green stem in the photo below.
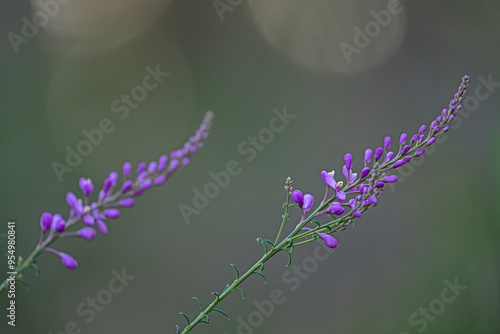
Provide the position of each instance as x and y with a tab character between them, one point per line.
285	216
249	272
29	260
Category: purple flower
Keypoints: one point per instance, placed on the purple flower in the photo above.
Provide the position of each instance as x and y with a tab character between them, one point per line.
101	226
126	169
68	261
113	176
349	175
142	176
58	223
46	221
420	152
329	240
405	150
368	155
153	165
422	129
127	185
86	186
378	153
141	167
329	179
74	203
387	142
146	184
398	163
348	160
431	141
308	202
88	219
174	164
87	233
390	179
402	139
127	202
372	199
336	208
162	163
298	198
364	172
112	213
389	156
160	180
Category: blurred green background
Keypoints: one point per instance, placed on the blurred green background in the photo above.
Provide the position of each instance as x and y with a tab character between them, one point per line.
243	59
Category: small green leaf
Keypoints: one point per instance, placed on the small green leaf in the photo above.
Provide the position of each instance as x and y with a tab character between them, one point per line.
264	245
199	303
261	266
237	271
289	257
216	294
24	282
261	275
221	312
227	286
36	268
316	222
269	242
178	329
206	321
242	292
185	316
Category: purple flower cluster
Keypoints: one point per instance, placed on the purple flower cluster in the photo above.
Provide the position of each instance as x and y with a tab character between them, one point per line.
365	190
115	193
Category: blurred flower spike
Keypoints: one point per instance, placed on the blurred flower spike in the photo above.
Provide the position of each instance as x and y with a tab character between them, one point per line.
115	194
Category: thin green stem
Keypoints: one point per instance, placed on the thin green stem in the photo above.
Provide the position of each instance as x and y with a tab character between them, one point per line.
26	263
252	269
285	216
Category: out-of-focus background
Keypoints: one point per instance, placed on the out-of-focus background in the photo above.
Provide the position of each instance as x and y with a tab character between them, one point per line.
347	73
